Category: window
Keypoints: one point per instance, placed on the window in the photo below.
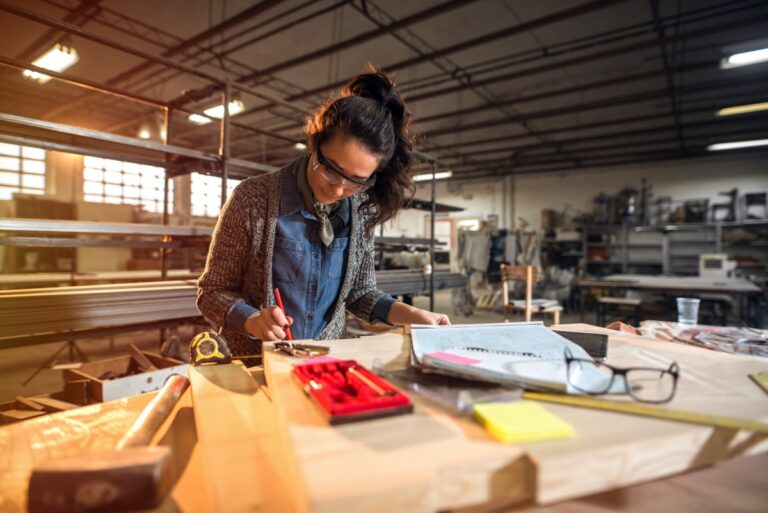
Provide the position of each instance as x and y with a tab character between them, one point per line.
125	183
22	169
206	194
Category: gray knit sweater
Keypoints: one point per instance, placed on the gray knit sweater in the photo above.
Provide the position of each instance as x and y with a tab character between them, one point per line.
239	265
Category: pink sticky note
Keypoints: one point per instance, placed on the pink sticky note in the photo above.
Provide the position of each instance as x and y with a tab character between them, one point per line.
447	357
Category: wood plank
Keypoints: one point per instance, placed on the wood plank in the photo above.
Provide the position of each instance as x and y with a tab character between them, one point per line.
10	416
52	405
426	461
140	358
27	403
238	440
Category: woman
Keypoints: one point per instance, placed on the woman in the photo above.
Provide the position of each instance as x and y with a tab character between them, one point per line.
307	229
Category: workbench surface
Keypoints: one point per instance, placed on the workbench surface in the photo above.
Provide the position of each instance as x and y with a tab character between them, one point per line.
412	461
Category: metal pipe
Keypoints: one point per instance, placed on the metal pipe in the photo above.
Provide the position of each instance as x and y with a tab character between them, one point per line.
72	29
600	137
79	82
224	148
432	241
488	38
621	50
668	74
166	187
649	157
582	43
537	160
358	39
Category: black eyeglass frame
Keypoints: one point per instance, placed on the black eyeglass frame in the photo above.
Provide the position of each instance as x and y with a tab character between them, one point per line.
673	370
367	184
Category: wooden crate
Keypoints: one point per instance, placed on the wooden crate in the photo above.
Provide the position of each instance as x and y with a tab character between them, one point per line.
85	380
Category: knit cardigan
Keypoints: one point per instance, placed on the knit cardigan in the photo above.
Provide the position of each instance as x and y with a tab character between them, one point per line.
239	263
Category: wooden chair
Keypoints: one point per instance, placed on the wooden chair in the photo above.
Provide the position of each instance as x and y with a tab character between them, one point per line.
529	275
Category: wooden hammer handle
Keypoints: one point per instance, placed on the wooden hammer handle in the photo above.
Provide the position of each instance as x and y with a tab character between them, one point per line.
155	413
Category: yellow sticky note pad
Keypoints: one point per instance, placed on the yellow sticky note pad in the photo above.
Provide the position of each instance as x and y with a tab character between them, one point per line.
522	422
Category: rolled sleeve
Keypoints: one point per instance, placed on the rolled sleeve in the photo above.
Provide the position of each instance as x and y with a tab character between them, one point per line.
381	309
237	316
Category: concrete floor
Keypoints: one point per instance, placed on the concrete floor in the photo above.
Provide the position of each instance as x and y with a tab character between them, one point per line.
18	364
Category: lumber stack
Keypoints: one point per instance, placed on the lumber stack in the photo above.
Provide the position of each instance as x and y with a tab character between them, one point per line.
59	309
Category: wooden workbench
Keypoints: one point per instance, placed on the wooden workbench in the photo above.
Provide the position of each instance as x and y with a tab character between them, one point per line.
611	450
429	461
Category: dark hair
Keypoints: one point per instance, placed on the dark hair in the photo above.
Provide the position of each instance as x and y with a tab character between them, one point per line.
370	110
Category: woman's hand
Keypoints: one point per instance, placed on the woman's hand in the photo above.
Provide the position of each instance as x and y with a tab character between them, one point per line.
400	313
268	324
427	317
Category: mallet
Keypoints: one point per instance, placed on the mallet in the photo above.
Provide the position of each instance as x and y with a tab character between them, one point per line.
133	476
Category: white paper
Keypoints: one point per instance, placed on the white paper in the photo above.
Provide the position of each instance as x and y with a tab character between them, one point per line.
524	353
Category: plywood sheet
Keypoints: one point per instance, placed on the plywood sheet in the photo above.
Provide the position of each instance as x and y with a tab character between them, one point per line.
427	456
425	461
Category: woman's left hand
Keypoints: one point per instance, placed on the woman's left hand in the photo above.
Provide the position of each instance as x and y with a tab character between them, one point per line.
400	313
427	317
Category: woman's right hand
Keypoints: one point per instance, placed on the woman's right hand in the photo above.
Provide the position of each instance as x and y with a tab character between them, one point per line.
268	324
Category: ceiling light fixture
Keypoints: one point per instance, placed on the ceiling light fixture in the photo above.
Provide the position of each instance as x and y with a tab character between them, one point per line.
235	107
300	146
58	59
428	176
744	59
737	145
742	109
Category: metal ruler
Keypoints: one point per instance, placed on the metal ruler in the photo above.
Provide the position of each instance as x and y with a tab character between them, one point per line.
650	410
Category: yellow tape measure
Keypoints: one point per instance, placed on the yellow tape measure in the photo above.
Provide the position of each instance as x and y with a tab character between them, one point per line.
650	410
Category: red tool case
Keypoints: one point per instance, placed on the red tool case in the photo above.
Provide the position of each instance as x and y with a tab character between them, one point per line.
346	391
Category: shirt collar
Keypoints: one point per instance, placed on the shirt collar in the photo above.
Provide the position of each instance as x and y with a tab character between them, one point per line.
290	200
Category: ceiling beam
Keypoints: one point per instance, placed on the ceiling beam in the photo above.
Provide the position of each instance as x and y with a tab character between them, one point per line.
562	15
602	103
356	40
611	52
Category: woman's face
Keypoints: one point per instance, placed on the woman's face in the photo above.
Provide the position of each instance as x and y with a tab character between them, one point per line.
345	156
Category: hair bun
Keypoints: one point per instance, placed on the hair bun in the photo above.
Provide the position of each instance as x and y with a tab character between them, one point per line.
374	84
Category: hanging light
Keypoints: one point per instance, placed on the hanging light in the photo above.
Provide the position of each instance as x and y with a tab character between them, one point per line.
737	145
58	59
742	109
236	106
745	59
428	176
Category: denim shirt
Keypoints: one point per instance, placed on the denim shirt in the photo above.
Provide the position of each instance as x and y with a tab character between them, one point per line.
307	273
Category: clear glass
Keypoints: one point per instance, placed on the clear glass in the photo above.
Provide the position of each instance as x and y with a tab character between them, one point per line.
334	176
645	384
688	311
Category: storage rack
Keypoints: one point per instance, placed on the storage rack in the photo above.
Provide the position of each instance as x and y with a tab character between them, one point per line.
674	248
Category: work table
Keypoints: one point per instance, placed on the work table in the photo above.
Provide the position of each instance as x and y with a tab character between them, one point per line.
274	452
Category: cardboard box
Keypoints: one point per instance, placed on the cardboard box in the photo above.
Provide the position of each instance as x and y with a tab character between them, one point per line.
88	379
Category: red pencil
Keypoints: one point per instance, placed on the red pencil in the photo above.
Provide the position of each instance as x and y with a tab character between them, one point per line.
280	306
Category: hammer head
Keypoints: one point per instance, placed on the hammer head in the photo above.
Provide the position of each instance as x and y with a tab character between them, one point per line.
130	479
209	347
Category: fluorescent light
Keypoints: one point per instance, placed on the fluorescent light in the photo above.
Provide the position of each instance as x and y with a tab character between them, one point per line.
742	109
58	58
737	144
428	176
745	59
235	107
300	146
